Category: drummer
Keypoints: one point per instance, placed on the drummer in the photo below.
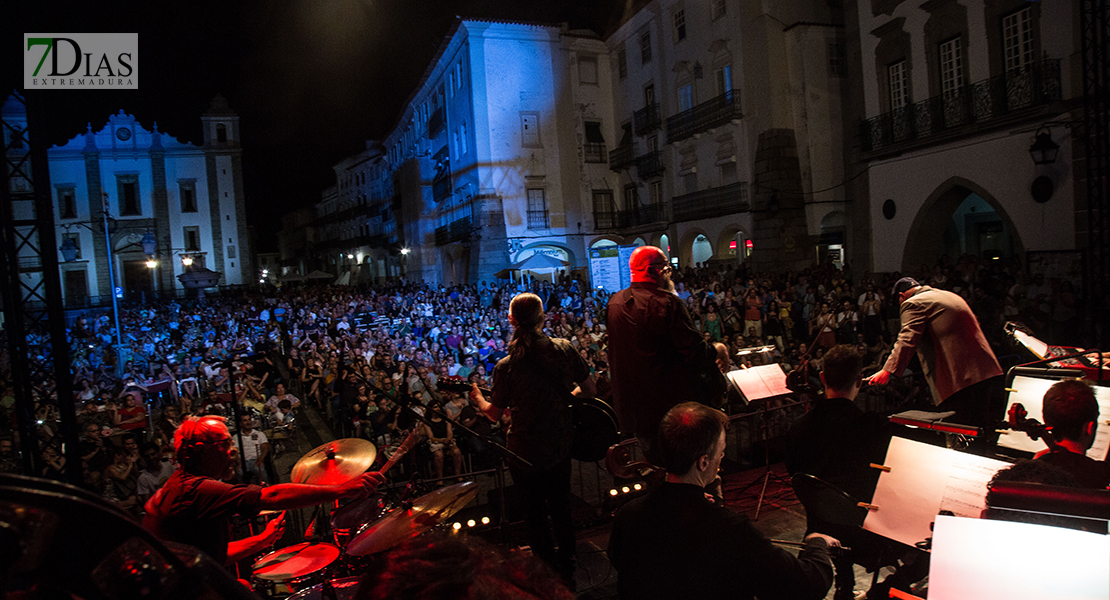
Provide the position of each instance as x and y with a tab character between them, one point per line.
195	504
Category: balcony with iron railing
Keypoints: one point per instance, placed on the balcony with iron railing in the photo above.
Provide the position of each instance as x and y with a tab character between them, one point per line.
705	116
972	107
647	119
723	200
454	231
649	164
643	214
607	219
441	187
539	220
594	152
621	157
435	122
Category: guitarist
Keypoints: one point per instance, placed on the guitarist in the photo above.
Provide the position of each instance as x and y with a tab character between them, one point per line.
536	380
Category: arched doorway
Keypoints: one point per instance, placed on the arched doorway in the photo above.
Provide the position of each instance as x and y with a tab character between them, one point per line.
734	245
960	218
701	250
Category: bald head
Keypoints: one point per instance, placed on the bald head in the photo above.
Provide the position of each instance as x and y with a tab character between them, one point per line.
648	264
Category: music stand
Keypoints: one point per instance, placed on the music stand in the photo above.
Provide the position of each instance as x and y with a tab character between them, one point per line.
761	384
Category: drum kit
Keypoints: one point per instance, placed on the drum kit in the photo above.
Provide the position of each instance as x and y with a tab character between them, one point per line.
361	530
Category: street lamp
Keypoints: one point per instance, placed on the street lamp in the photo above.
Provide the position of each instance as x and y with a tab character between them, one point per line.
1043	149
186	261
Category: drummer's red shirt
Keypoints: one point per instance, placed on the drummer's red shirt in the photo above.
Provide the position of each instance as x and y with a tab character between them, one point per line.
193	509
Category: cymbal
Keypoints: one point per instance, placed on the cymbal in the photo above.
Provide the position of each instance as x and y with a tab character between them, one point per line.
427	511
335	462
357	513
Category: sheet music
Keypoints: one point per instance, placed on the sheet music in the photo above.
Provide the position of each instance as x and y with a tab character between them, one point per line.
979	558
922	481
966	492
764	381
1030	391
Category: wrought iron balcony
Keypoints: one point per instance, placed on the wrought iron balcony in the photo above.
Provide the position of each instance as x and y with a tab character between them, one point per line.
705	116
643	214
968	109
649	164
647	119
454	232
607	219
723	200
435	122
621	157
441	188
594	152
538	219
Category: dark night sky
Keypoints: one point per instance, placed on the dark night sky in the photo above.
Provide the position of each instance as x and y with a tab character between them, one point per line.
310	79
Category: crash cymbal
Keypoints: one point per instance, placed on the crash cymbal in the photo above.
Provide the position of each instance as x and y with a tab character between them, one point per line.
427	511
357	513
335	462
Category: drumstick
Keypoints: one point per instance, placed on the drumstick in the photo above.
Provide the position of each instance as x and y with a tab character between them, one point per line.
405	446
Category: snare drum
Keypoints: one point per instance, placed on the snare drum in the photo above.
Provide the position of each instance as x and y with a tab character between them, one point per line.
298	567
345	589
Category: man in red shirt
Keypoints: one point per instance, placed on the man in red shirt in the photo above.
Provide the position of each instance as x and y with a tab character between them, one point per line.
194	505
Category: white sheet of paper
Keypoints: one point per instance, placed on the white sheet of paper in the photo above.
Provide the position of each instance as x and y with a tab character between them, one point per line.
764	381
980	558
1030	393
922	481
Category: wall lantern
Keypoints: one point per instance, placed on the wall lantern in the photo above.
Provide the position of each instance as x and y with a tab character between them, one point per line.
1043	150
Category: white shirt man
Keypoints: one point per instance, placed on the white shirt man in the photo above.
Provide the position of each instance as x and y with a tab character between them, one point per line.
255	447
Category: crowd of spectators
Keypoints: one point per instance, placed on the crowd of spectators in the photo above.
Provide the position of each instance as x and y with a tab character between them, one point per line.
355	354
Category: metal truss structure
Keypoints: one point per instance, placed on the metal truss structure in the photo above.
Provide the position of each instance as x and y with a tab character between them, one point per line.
30	289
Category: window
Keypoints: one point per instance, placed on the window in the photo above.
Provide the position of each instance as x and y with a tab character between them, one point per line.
657	192
690	182
631	197
649	94
16	138
653	144
587	70
723	79
537	209
951	67
231	253
530	129
221	133
899	96
67	203
838	59
622	63
458	75
645	47
603	202
462	139
679	25
728	173
593	132
1017	39
188	196
191	237
686	97
717	9
128	189
76	237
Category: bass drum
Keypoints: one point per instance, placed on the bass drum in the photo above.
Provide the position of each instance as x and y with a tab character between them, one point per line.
595	429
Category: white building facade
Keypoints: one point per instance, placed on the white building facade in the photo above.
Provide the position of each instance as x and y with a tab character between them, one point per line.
189	198
955	93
